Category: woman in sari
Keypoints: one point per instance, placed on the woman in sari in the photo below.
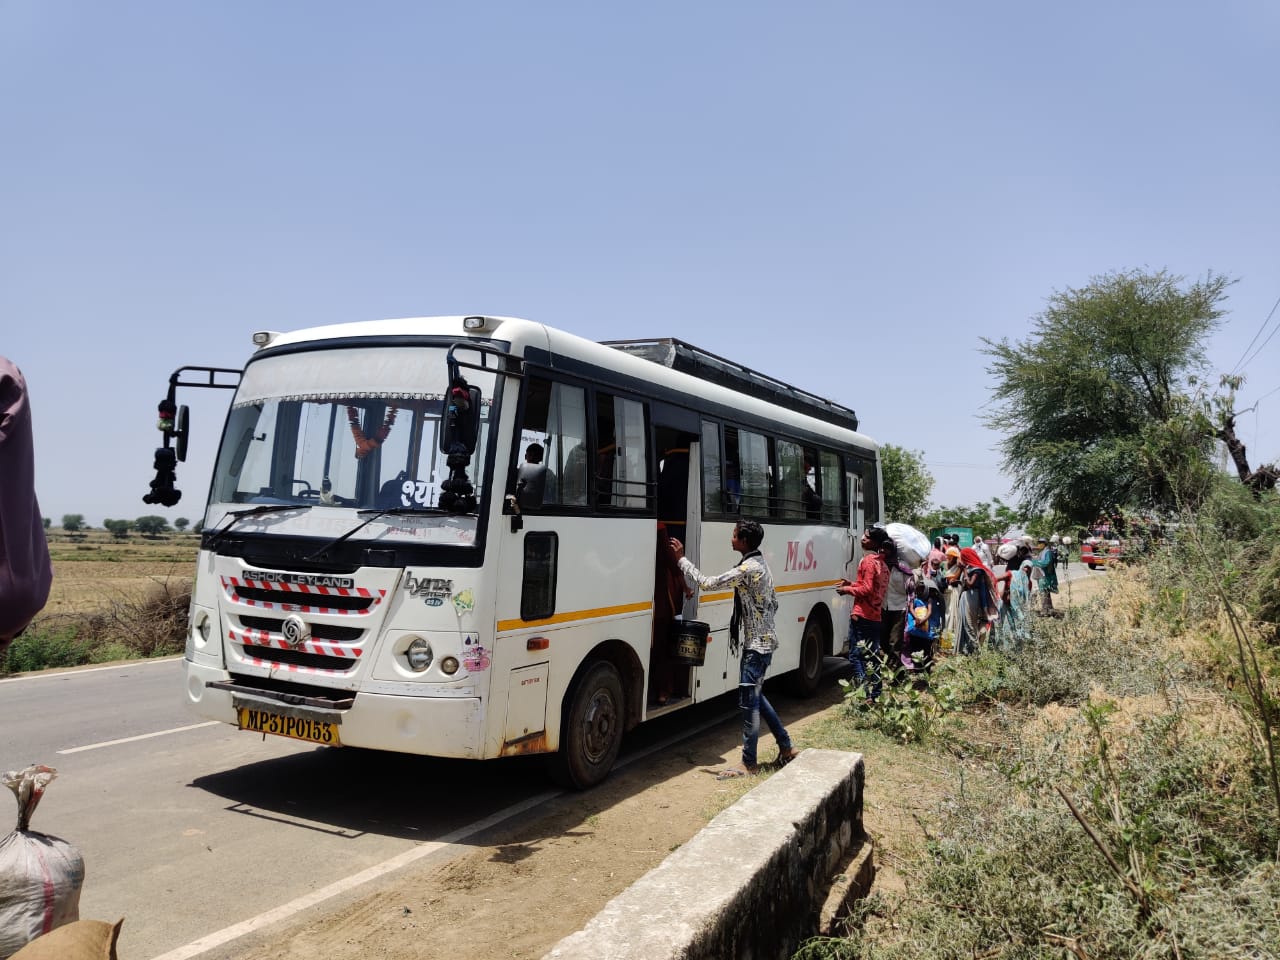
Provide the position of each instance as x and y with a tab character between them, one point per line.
1015	606
951	572
978	602
1020	604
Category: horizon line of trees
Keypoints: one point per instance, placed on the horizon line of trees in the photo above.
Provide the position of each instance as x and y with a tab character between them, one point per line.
150	525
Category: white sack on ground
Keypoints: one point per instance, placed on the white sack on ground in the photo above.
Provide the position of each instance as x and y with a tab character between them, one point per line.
40	875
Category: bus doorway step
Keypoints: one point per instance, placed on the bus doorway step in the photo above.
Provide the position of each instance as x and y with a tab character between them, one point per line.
675	703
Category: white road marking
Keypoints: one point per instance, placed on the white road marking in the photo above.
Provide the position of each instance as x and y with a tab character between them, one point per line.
83	670
286	910
141	736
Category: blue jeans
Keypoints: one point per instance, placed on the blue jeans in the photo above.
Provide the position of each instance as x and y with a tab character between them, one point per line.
864	654
754	706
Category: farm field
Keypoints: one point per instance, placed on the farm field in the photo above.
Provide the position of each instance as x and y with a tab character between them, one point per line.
93	569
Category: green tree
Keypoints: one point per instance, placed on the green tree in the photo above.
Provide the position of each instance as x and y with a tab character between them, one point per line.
118	528
989	518
151	525
73	522
48	522
181	524
907	483
1095	404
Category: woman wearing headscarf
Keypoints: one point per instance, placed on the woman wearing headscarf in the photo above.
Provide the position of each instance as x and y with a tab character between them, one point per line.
1020	604
25	572
978	601
1015	605
951	572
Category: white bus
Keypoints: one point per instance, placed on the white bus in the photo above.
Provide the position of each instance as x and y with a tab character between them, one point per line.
384	565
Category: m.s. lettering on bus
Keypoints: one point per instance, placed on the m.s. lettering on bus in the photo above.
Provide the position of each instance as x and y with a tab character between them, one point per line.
797	561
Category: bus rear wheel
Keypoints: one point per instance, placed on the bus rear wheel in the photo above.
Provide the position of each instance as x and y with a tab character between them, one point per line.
591	729
805	679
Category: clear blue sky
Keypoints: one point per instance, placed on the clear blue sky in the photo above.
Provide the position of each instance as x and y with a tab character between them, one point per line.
844	195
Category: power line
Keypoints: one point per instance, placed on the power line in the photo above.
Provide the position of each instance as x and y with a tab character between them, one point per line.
1255	353
1256	402
1241	362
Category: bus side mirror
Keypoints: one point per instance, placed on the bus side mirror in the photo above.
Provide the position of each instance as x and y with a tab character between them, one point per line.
181	426
460	427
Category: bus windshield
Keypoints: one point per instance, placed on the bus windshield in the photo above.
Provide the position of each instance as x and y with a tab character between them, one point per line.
342	431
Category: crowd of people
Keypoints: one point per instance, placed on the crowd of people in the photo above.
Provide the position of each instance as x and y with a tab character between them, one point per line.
953	599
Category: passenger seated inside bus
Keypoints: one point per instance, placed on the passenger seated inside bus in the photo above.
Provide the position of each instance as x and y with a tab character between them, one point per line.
812	502
535	483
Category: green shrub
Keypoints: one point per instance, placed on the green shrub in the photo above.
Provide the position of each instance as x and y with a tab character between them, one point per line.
43	647
907	712
1136	811
123	629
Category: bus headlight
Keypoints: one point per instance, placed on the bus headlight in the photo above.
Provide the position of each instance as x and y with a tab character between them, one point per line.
419	655
449	666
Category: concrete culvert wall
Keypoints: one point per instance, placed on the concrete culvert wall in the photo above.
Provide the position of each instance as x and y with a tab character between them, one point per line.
754	883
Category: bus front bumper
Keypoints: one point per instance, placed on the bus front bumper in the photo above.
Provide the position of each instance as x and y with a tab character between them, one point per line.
428	726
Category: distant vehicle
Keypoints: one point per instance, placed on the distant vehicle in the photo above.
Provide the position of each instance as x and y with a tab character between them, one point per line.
964	533
1101	548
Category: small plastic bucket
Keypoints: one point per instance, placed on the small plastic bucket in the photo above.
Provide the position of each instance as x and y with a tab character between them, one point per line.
688	642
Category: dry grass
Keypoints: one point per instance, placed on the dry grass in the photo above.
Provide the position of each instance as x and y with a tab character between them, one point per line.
99	571
110	600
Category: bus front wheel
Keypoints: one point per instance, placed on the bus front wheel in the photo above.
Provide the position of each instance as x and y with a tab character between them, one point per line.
591	729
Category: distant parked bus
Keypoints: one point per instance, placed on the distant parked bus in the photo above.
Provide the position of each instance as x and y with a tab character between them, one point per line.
438	536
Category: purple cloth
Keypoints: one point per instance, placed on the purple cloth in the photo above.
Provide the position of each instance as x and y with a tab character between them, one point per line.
25	572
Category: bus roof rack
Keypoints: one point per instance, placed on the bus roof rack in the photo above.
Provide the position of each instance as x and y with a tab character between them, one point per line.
685	357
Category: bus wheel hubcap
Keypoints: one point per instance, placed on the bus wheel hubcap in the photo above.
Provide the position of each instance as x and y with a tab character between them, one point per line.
599	724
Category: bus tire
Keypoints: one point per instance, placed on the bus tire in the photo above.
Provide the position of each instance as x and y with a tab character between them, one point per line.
806	678
591	728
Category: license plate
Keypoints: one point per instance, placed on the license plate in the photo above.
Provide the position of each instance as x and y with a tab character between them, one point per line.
296	728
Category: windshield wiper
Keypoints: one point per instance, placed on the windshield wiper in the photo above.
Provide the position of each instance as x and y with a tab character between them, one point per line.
238	515
373	515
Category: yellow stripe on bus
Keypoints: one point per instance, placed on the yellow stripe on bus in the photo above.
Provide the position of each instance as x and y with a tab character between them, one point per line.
821	584
505	626
785	588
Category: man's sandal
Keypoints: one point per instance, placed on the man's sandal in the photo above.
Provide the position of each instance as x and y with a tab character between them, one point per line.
787	757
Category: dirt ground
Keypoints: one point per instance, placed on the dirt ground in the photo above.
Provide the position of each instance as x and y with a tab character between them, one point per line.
533	883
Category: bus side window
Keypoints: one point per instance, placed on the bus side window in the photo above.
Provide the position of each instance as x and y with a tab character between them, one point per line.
831	487
712	486
746	461
792	480
622	458
538	591
551	465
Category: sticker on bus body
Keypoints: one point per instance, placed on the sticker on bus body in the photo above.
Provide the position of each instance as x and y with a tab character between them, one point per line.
433	590
474	656
464	601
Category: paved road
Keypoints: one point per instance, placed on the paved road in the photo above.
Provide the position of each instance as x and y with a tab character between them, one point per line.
193	831
188	826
